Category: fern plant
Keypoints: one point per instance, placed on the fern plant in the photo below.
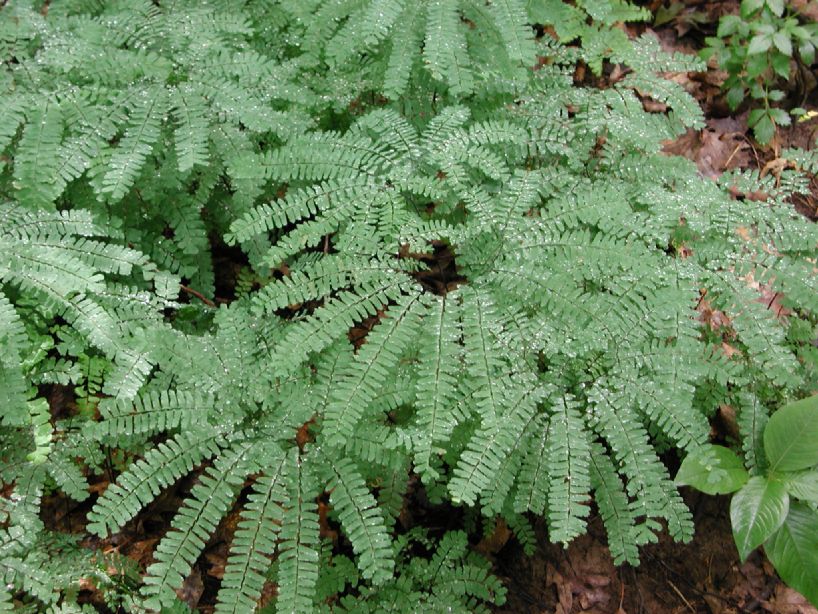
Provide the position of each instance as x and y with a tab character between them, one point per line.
496	290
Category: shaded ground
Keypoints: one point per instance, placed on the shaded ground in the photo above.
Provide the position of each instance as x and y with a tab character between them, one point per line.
703	576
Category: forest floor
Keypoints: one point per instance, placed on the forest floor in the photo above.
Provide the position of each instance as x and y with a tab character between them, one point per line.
705	575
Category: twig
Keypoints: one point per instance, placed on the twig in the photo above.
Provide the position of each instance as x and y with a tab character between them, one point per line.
688	582
682	597
730	159
198	295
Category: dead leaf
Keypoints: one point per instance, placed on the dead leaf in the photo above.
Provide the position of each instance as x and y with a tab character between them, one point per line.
192	589
727	414
807	8
492	544
564	595
788	601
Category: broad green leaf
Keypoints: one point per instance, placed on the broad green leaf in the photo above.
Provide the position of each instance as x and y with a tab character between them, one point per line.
748	7
756	511
729	24
783	43
780	116
777	7
776	96
714	470
754	117
793	550
756	65
807	51
735	97
803	486
764	130
759	44
791	436
780	64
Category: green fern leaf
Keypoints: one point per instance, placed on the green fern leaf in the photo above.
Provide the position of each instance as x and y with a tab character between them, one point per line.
358	384
194	523
13	387
533	479
614	507
255	537
152	413
192	134
752	418
444	49
479	465
145	479
402	53
37	157
362	520
484	360
512	22
333	320
298	552
142	133
436	385
568	469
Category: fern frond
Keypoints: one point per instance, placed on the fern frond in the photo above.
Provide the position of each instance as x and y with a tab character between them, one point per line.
533	477
568	452
757	330
255	537
484	360
512	23
437	382
300	204
402	52
317	157
752	418
21	224
39	415
37	157
194	523
316	280
614	507
667	400
142	133
68	476
333	320
13	387
145	479
479	465
358	384
152	413
298	552
13	116
363	30
362	520
192	134
647	478
444	48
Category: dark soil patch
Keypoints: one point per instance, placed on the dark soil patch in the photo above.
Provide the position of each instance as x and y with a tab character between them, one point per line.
704	576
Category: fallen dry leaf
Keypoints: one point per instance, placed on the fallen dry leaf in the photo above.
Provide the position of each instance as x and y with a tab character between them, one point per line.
788	601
